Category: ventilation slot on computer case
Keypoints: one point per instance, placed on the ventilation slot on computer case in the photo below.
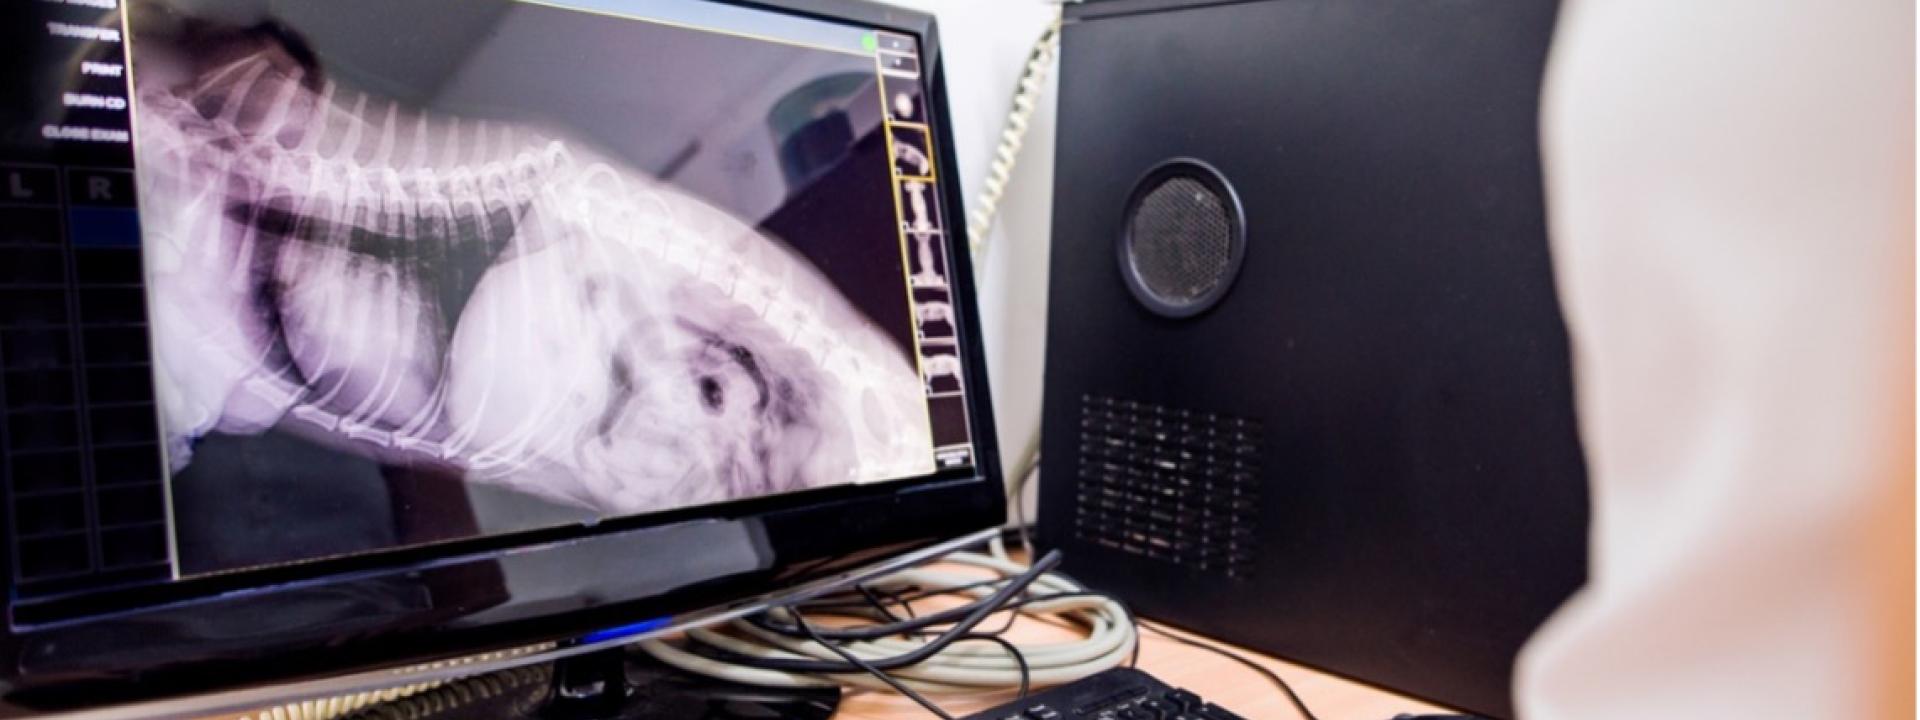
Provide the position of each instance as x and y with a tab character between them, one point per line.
1169	484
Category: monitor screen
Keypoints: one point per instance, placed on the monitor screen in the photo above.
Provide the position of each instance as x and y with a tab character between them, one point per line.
289	281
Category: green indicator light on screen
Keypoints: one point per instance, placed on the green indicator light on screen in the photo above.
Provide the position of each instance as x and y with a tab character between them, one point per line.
870	42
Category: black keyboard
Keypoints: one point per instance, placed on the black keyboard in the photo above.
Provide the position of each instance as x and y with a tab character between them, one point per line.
1117	694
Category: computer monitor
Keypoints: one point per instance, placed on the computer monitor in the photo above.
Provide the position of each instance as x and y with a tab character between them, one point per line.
351	335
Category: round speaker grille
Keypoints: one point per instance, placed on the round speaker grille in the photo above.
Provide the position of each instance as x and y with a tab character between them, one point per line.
1183	241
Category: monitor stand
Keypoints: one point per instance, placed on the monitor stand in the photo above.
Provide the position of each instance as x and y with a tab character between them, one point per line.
605	685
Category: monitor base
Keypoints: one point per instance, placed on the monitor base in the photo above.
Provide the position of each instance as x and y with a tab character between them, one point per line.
606	685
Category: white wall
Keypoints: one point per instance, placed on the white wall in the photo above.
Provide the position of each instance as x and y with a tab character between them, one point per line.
986	43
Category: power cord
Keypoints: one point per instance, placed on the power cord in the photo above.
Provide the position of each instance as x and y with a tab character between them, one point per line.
1025	469
947	651
1026	98
975	613
853	659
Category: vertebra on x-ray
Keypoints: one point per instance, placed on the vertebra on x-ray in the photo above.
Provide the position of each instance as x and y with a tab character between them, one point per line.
933	319
912	159
920	213
942	373
903	99
927	272
912	155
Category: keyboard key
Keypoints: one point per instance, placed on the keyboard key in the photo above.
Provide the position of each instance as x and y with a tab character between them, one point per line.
1183	699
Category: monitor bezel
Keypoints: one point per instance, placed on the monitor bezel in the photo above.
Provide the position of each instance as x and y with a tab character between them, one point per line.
854	527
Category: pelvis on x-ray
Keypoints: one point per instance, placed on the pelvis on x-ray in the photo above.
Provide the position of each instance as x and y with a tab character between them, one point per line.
492	296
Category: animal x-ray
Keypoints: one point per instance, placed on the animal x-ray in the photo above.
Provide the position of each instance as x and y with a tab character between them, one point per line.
535	265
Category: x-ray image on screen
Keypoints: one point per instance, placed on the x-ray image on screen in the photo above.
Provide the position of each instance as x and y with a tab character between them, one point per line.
486	256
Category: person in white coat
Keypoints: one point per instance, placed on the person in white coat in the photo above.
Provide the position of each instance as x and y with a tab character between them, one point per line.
1730	191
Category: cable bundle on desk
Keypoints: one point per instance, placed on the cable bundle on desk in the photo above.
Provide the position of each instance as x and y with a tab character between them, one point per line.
781	648
959	649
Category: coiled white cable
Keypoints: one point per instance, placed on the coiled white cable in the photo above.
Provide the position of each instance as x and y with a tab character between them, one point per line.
960	667
1013	134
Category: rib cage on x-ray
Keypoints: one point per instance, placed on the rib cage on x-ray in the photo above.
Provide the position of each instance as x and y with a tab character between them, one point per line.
492	296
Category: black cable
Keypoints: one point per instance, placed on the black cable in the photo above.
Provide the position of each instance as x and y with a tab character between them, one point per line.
1014	607
1134	620
930	592
881	630
1011	594
1243	660
913	595
1019	658
1132	661
950	590
981	610
881	612
905	606
905	595
924	593
1017	604
874	600
847	595
855	660
1012	617
871	632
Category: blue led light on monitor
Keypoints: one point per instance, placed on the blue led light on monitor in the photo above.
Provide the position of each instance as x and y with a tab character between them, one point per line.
622	631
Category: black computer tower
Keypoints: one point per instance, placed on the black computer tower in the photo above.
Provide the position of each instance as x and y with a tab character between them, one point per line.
1308	385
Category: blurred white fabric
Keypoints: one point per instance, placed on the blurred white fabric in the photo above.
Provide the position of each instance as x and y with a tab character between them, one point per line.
1730	189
